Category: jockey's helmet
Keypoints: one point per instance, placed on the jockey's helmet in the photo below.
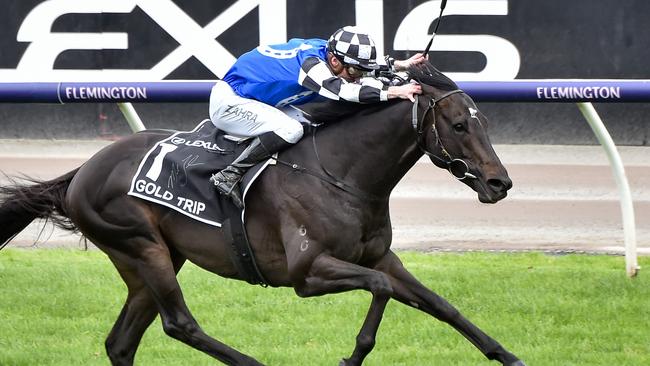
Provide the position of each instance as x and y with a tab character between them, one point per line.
354	47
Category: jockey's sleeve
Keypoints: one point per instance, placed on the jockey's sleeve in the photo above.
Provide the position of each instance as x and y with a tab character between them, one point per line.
315	75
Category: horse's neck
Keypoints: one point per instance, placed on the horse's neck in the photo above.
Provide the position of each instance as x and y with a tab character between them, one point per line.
371	151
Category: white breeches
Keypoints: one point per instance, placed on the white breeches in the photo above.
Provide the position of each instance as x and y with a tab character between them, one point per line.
243	117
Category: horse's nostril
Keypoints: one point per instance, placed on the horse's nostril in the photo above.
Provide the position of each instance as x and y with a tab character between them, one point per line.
508	182
499	185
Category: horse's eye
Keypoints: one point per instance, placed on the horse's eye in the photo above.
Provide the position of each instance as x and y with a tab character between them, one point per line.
459	127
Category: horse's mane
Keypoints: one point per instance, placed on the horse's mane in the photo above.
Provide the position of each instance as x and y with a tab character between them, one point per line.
332	110
427	74
336	110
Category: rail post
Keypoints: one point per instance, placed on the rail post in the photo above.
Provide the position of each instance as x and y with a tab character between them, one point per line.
627	208
132	117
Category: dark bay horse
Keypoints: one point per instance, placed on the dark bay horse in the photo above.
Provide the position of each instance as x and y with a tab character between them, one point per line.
305	232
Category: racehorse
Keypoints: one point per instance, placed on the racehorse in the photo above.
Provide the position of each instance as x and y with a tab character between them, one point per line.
316	235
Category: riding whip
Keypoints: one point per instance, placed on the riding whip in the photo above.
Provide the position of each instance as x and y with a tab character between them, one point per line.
435	30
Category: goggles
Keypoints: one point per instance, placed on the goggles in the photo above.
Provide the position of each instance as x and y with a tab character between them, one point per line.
356	72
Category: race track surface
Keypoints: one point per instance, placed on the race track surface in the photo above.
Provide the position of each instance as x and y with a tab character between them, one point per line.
564	199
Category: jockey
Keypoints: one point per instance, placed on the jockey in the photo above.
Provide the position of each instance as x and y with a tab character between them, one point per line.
245	102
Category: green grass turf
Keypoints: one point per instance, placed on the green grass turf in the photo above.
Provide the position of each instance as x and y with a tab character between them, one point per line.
57	306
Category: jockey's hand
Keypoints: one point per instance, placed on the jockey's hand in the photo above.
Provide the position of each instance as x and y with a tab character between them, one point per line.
402	65
406	91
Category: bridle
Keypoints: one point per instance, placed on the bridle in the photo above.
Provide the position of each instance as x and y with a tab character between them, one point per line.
457	167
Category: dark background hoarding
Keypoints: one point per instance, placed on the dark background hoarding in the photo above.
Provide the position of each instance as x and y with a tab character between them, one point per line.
597	39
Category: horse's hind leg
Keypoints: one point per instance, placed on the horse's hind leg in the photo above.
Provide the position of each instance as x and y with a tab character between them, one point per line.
137	314
127	230
155	267
408	290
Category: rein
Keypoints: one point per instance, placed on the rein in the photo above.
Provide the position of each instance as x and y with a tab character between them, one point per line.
329	177
457	167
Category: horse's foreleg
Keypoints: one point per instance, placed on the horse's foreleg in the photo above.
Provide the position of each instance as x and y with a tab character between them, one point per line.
408	290
330	275
365	341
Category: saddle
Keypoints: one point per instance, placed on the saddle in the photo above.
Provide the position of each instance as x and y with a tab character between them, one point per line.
175	173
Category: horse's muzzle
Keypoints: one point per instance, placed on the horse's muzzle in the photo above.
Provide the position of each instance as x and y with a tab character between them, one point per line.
496	189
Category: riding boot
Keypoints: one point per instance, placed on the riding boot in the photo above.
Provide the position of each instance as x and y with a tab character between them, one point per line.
262	147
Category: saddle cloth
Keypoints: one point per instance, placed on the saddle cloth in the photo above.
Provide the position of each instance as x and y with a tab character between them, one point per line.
176	172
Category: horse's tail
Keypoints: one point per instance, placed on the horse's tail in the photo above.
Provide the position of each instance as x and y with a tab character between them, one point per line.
21	203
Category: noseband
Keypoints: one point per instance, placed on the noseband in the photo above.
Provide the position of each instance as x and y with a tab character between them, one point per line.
457	167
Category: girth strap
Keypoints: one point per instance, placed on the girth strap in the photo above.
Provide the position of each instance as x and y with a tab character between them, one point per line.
241	253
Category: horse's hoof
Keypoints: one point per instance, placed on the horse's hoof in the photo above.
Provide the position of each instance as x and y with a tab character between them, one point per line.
249	361
517	363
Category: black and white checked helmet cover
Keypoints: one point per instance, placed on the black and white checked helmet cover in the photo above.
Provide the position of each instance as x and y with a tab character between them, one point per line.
354	47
